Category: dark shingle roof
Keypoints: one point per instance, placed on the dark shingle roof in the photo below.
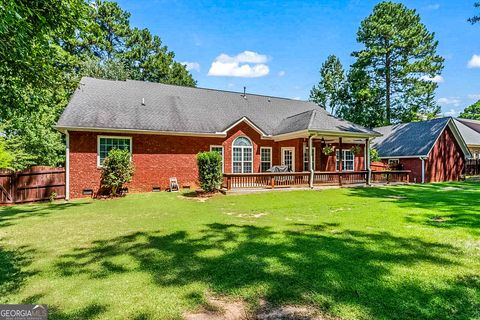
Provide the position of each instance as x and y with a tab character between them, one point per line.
409	139
107	104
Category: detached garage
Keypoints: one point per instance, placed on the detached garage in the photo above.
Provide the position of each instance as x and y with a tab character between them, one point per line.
433	150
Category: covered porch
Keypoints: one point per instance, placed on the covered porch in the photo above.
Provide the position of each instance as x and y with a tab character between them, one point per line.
329	159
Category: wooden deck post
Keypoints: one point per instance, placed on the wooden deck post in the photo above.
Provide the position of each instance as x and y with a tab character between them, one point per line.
340	161
369	169
272	181
229	183
310	161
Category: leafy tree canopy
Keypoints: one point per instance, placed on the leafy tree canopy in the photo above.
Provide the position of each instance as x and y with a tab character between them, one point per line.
330	90
472	112
47	46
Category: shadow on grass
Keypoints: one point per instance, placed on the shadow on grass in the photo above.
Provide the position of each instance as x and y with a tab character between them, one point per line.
10	214
307	266
452	208
12	263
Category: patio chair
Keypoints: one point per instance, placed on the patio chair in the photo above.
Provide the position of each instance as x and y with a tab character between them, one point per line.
173	185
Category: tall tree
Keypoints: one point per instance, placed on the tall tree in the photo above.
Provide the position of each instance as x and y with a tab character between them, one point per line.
363	99
398	53
330	91
472	112
475	18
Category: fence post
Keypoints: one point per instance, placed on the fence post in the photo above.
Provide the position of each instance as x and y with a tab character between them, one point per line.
272	181
229	183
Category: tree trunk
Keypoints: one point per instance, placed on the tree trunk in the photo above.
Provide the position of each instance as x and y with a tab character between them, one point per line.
387	88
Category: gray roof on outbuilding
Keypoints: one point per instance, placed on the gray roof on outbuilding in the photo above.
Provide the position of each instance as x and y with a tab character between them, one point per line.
109	104
470	136
409	139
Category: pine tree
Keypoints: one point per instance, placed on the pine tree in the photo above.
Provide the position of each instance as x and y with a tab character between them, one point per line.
400	55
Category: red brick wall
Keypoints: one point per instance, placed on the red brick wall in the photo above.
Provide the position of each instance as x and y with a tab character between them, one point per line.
159	157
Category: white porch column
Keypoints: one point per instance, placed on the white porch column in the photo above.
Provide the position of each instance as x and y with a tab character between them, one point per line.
367	151
423	169
310	160
67	166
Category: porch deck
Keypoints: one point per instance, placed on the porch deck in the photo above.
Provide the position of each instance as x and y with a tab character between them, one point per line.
270	180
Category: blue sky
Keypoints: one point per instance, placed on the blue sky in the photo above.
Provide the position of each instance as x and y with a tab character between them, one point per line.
277	47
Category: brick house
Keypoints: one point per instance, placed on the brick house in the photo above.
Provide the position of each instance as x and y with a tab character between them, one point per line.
165	126
432	150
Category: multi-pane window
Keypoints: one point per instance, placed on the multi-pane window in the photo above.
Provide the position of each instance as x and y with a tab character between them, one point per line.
265	158
305	158
105	144
218	149
348	160
242	155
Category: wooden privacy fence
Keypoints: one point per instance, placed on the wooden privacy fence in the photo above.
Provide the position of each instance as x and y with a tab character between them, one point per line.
34	184
472	167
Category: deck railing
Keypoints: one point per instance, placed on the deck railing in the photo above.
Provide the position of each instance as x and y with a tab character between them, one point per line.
301	179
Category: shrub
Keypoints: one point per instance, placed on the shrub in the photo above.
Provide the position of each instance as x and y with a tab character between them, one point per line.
117	169
5	157
209	170
374	155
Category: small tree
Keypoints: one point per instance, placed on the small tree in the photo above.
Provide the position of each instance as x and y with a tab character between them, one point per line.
5	156
117	169
210	170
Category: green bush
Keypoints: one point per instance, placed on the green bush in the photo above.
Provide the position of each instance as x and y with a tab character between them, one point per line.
5	156
117	169
374	155
210	170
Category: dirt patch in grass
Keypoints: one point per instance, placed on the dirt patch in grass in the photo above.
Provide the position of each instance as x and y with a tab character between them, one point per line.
451	189
225	309
199	195
247	215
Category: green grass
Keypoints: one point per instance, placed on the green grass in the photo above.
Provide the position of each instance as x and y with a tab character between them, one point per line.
404	252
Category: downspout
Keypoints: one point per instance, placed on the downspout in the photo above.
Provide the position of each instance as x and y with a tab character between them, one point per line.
67	166
310	161
423	169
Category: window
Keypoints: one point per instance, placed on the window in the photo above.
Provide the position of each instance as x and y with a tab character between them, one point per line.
393	162
242	155
348	160
305	157
105	144
218	149
265	158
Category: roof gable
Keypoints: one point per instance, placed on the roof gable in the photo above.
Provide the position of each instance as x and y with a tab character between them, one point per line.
414	139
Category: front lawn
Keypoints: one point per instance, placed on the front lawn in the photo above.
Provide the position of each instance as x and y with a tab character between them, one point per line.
405	252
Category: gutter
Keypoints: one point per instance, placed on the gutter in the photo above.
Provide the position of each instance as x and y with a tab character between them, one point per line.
423	168
67	166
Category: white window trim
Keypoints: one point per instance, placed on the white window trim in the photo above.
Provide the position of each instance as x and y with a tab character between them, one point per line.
242	147
111	137
223	154
261	161
343	159
293	156
305	161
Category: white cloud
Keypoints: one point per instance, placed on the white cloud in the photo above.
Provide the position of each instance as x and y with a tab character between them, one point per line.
455	101
191	66
434	6
474	62
297	98
247	64
474	96
451	113
436	79
281	73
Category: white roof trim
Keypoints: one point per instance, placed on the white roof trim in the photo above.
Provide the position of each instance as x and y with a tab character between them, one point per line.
247	121
167	133
463	145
